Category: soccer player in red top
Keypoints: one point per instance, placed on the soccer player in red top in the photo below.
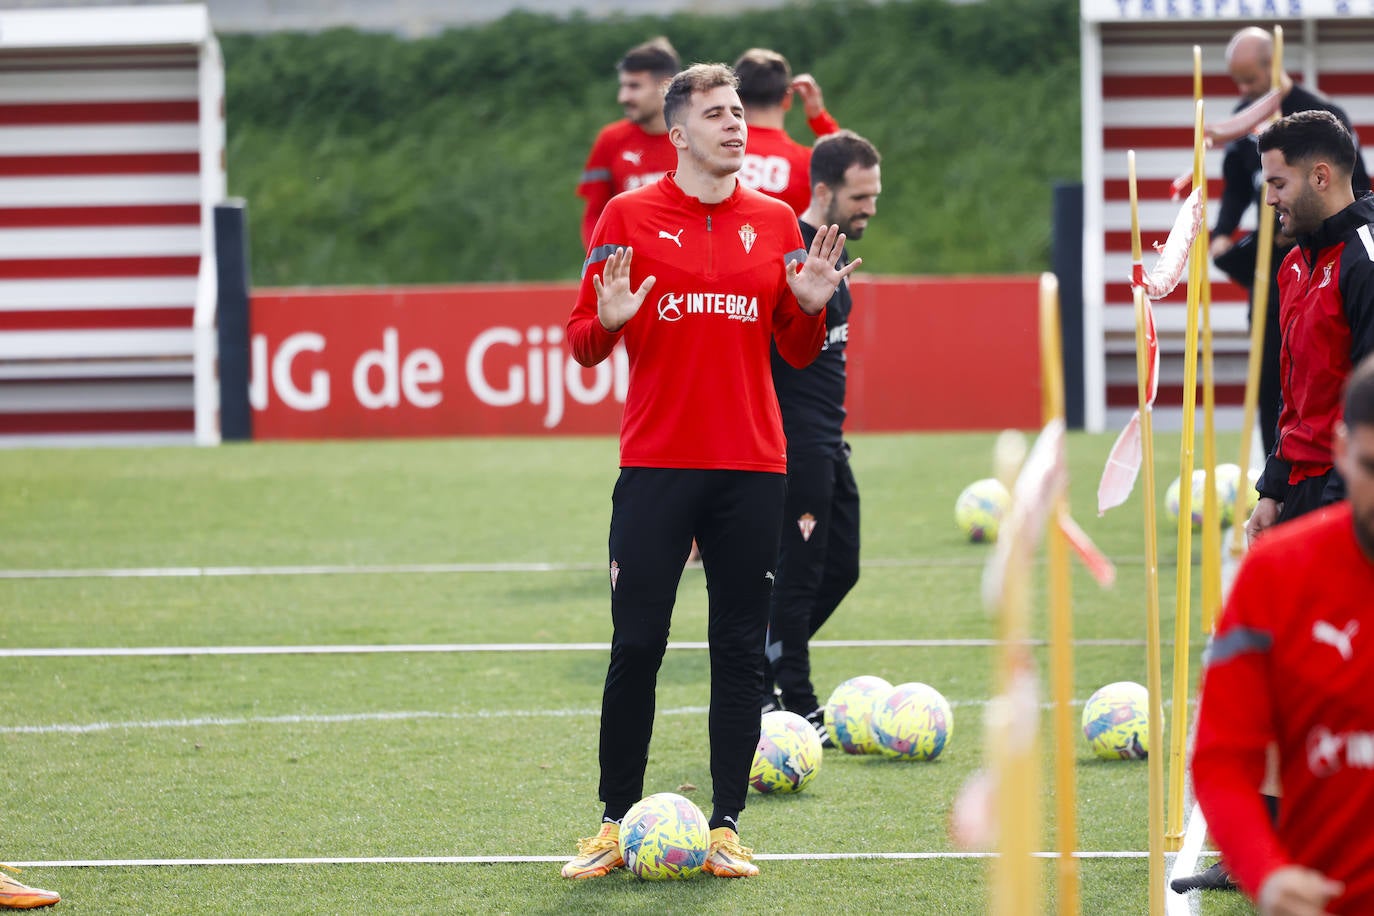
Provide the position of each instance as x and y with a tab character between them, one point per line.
1326	310
698	275
1293	663
633	151
1326	305
774	163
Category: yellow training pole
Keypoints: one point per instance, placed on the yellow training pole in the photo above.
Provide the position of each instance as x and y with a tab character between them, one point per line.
1211	523
1152	651
1061	620
1259	314
1183	598
1014	743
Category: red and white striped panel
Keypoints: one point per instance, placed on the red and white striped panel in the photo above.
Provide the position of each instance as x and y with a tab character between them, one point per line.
1147	106
100	237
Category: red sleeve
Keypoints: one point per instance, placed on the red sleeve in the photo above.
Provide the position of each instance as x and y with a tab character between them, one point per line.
798	335
597	198
595	185
1235	726
823	124
589	342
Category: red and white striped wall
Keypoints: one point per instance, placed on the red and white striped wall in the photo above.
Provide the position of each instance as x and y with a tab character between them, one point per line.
111	160
1137	87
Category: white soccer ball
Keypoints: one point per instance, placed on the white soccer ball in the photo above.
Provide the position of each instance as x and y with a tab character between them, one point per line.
979	509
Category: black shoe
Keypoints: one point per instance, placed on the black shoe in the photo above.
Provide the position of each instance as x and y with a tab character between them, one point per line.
773	703
1215	878
817	720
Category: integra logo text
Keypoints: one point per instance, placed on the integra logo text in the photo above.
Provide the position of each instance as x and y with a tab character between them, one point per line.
733	307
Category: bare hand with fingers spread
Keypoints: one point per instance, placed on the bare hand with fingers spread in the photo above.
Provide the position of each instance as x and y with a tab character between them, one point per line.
615	303
815	281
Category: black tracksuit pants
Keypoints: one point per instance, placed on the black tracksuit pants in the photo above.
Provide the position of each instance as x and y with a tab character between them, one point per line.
656	512
817	566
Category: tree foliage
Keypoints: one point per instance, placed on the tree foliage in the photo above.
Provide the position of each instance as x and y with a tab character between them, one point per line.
366	158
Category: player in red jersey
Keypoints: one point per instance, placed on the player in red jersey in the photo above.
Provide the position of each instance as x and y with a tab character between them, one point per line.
1292	662
774	163
698	275
635	150
1326	306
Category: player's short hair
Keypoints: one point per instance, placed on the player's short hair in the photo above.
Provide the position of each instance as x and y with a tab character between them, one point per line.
764	77
1310	135
696	78
1359	395
834	153
656	56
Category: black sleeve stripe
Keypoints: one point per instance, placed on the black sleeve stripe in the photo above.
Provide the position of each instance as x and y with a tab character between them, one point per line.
599	254
1237	642
796	256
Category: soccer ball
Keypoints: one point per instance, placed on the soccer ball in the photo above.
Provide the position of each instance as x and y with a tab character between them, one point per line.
789	753
913	722
1171	497
1228	478
1116	721
664	837
849	713
979	509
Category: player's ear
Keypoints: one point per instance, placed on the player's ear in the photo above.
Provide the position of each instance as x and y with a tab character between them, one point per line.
677	136
1321	175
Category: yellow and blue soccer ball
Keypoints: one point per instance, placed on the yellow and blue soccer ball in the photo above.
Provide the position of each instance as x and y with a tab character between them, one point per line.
1227	479
913	722
1116	721
849	713
788	754
664	837
979	509
1172	497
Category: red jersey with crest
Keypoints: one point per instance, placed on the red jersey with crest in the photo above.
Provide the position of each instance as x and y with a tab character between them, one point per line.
701	383
779	166
1292	662
1326	311
624	156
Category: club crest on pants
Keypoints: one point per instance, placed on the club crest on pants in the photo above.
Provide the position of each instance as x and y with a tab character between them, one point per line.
615	573
806	524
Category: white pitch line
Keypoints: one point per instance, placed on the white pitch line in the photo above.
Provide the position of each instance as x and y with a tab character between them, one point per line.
352	717
458	648
495	860
183	572
1185	863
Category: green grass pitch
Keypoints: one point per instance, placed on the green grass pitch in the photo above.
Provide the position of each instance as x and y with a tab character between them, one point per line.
482	754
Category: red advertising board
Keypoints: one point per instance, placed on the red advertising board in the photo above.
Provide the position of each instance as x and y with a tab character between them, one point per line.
924	353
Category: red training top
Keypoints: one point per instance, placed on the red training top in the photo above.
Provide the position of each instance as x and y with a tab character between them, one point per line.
779	166
701	383
624	156
1292	662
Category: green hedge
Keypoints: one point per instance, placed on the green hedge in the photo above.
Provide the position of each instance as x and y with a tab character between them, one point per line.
370	159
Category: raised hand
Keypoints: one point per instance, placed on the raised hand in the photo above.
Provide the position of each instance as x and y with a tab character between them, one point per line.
816	280
805	85
616	304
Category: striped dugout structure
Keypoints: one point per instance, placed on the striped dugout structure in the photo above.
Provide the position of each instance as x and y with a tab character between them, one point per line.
111	161
1137	89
